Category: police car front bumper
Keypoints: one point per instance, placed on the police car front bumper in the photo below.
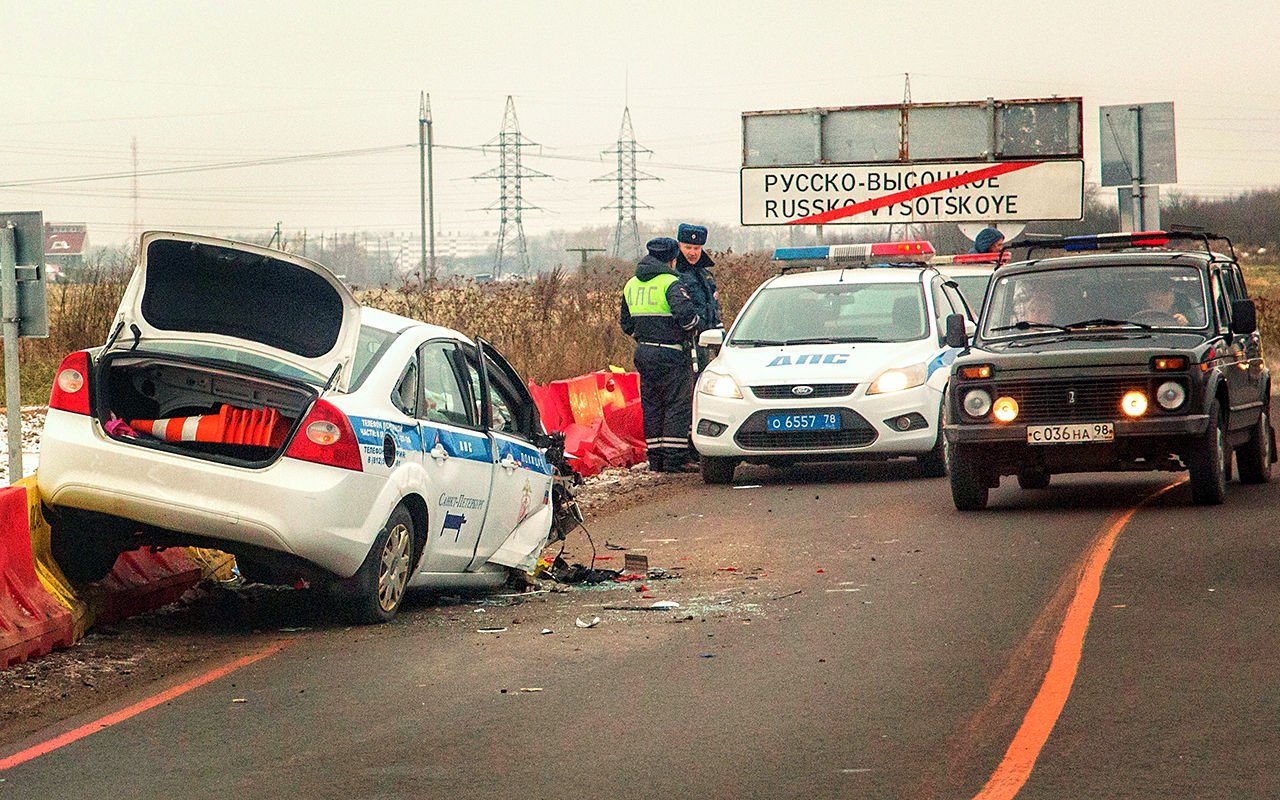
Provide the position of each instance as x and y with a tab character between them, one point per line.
896	423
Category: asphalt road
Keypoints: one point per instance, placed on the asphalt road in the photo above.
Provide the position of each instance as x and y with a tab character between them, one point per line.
842	632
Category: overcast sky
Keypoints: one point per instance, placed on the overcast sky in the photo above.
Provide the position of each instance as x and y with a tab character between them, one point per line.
210	83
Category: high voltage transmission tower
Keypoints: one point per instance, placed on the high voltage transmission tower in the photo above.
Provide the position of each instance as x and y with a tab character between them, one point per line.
626	234
509	173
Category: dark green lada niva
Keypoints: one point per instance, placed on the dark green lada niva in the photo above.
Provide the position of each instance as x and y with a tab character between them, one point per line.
1128	352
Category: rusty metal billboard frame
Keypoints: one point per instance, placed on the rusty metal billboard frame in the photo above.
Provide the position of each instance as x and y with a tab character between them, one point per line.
1048	128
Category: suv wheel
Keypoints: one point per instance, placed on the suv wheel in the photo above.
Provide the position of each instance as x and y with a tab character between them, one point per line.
1254	457
1033	479
718	469
968	483
1208	462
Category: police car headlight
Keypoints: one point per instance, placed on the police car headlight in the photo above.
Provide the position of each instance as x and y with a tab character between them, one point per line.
895	380
718	385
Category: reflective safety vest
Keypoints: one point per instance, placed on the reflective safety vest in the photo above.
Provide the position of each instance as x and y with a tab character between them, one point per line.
649	298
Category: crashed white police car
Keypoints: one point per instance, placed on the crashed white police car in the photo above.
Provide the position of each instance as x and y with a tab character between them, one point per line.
843	359
246	401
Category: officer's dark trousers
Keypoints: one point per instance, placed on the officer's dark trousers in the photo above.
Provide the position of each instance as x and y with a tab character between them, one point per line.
666	400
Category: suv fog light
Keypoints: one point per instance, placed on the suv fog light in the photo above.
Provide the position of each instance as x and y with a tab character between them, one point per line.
1134	403
1005	409
977	403
1170	395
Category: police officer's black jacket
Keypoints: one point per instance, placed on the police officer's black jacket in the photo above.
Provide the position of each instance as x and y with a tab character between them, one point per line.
675	327
701	284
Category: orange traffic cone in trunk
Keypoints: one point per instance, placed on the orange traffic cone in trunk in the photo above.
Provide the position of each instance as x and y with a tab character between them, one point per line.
263	427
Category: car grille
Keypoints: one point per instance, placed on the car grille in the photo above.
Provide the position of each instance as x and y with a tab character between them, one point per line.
854	431
1070	399
783	391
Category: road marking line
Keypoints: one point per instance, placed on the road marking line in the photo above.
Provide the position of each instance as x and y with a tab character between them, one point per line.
35	751
1014	770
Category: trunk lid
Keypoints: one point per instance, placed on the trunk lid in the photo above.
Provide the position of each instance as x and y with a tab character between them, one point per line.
203	292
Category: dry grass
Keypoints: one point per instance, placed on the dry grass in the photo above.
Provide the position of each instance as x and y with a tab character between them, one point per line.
560	325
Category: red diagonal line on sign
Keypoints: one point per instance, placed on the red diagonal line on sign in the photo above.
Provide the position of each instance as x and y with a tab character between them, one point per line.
919	191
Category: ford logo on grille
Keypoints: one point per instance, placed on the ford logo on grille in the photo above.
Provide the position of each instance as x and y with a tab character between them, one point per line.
802	391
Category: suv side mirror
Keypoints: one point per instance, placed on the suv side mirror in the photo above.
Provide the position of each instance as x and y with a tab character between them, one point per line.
711	338
1244	316
959	329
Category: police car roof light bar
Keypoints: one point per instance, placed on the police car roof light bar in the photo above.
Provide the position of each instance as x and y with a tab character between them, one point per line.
971	258
913	252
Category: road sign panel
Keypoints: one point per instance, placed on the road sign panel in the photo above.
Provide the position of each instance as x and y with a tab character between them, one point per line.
1138	143
909	193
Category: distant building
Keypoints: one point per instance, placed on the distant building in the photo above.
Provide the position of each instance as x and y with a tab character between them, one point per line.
64	247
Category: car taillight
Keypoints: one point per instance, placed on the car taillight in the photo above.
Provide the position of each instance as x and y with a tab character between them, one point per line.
326	437
71	384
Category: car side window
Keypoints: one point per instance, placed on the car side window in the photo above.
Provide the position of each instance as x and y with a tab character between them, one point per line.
405	395
443	399
958	304
1221	301
505	402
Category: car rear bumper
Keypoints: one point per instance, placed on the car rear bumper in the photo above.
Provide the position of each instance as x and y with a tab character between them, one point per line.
323	514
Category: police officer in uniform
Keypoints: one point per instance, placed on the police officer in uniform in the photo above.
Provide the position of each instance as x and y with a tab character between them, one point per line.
694	268
658	312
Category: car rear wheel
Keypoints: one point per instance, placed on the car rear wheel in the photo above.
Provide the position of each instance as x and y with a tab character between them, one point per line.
1254	457
375	592
718	469
968	483
1208	462
84	549
1033	479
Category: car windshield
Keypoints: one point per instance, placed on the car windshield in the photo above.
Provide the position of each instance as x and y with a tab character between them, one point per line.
843	312
1091	298
974	289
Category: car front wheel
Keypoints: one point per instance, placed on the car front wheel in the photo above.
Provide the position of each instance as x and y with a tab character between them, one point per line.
717	469
968	483
1208	463
375	592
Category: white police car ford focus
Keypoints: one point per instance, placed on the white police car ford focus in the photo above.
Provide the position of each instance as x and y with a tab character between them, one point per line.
246	401
831	363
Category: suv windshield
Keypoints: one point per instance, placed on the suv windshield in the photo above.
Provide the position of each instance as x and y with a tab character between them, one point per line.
1138	297
844	312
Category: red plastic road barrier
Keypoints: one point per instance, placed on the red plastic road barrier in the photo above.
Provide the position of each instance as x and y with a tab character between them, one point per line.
599	413
32	621
143	580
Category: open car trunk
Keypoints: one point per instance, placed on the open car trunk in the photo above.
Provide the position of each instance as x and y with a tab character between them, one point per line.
206	409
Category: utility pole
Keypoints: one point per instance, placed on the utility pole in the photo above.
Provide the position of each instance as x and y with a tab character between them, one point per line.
135	230
584	251
427	186
276	238
626	234
509	173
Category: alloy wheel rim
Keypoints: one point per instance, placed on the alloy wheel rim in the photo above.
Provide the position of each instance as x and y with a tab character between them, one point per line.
393	577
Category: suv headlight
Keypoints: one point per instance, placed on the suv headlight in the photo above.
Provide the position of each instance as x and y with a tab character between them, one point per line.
899	378
719	385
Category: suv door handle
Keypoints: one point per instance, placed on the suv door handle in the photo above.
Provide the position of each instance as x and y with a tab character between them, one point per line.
439	453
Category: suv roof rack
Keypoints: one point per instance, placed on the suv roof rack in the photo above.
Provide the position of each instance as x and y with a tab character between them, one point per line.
1117	241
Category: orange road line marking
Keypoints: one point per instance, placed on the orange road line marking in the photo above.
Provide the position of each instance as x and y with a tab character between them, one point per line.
35	751
1015	768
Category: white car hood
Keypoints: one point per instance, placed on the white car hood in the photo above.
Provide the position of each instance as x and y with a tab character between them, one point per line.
190	288
858	363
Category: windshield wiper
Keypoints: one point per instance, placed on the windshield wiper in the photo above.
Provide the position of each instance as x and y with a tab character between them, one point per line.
1027	325
1105	322
756	342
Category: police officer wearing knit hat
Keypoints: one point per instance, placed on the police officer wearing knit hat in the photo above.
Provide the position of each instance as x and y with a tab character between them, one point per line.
658	312
694	268
988	240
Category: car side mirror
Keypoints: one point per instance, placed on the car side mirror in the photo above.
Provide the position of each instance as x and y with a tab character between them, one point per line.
1244	316
959	329
711	338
